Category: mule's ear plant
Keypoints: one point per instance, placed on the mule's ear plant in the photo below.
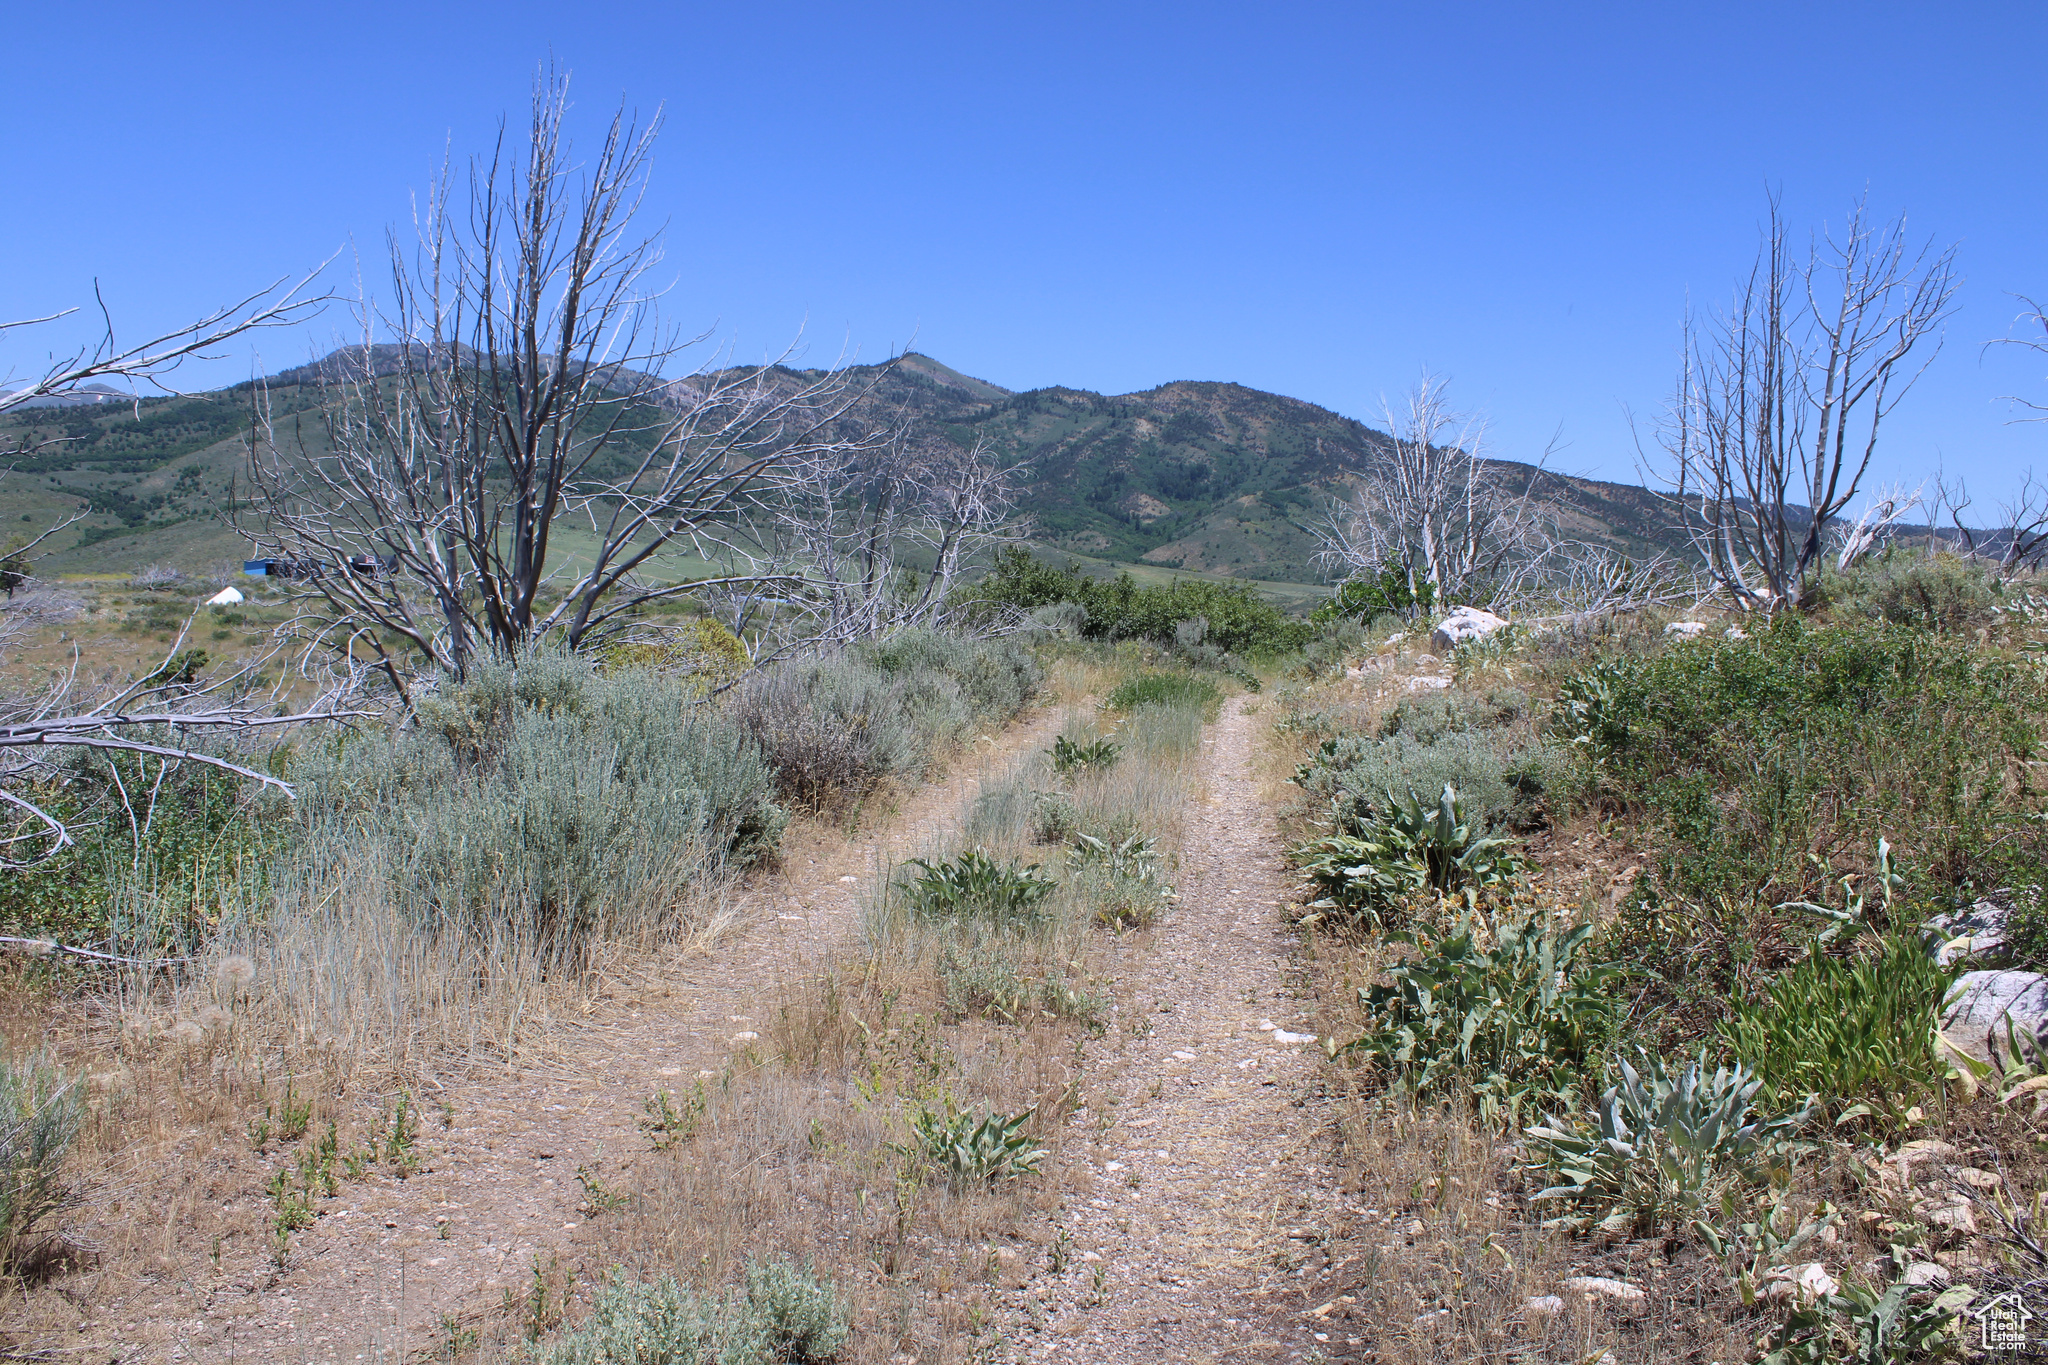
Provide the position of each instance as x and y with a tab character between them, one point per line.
975	885
1664	1145
970	1152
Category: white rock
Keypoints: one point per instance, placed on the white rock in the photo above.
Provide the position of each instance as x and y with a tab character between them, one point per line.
1735	633
1602	1285
1396	638
1686	630
1281	1035
1985	1012
1804	1282
1462	626
1427	661
226	597
1428	682
1544	1306
1922	1273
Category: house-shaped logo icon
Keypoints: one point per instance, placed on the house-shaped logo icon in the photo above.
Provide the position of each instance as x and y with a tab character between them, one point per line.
2003	1322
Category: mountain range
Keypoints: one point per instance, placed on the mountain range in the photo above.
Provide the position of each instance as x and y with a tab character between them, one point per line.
1193	477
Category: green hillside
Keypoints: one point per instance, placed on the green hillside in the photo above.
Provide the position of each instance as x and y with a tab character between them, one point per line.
1200	478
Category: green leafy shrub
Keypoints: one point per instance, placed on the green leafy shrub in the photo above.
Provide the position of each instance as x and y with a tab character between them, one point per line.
1516	1024
1755	753
1118	609
971	1151
976	886
1188	691
1411	850
40	1111
1590	714
1941	592
166	832
1662	1147
702	650
1389	590
1857	1032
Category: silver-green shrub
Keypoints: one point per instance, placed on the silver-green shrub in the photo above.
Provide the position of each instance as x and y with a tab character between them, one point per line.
805	1320
1941	592
835	727
39	1117
1358	775
831	728
996	676
547	804
785	1315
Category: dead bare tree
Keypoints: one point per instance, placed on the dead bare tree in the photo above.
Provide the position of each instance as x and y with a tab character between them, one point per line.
1432	510
513	396
1578	580
2017	538
2034	338
1781	398
875	538
1872	527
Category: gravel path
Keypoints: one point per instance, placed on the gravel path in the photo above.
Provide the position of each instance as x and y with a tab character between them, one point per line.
1195	1214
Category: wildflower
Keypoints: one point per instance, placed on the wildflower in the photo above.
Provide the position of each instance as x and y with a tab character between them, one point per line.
236	971
213	1018
188	1033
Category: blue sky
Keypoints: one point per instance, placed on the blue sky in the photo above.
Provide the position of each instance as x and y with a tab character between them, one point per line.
1314	199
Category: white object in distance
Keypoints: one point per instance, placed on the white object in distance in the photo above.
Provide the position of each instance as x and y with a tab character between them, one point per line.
225	597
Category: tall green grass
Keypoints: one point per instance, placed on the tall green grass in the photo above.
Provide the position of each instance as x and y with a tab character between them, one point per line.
1189	691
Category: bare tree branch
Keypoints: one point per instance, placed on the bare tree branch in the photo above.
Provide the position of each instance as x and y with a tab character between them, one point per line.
279	304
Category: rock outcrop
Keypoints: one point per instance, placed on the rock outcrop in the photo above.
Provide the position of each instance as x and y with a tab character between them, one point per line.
1462	626
1987	1012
